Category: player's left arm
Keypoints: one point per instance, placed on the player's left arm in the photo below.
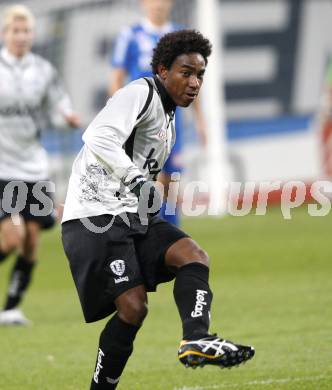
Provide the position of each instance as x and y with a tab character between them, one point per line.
200	123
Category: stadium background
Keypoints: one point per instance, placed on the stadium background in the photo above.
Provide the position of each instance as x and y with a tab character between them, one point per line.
274	60
270	277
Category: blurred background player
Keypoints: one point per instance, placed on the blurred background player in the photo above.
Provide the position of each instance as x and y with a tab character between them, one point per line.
325	123
30	93
131	60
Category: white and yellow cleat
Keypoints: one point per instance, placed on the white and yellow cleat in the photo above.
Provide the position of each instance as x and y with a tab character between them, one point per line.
214	351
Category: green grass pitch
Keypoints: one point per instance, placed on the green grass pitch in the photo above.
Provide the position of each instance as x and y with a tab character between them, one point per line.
272	283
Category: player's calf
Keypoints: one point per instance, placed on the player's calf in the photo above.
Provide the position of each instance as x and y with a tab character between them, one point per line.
115	347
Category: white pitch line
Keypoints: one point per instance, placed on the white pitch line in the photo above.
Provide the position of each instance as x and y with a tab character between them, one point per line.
255	383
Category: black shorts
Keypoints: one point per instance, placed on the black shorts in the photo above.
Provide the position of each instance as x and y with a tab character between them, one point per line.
20	195
105	265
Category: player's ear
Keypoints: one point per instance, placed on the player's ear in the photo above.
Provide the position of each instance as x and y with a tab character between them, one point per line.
162	71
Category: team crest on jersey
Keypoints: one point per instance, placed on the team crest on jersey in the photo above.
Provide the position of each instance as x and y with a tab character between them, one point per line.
118	267
162	134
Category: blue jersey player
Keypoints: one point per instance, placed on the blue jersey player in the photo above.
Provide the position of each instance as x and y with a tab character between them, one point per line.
131	59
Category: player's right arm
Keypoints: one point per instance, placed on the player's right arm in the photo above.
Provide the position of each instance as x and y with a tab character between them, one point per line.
57	101
120	61
111	128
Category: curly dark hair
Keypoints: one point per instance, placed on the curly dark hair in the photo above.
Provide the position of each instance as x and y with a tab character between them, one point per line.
174	44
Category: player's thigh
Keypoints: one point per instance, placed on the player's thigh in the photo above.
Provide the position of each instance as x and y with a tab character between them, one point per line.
103	262
31	239
12	232
152	249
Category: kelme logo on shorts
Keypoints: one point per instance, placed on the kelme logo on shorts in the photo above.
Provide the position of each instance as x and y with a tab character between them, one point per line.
118	267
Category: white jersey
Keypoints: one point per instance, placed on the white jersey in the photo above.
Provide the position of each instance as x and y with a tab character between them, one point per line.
133	135
30	96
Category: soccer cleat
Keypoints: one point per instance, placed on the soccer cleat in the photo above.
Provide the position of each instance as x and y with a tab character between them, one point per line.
13	317
214	351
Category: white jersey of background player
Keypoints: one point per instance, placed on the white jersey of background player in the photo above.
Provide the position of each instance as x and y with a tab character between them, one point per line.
30	93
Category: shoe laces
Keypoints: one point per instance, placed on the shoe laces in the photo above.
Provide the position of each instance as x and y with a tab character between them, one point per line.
215	344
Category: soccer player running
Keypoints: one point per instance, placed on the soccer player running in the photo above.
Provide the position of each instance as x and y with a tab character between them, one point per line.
117	248
131	60
29	90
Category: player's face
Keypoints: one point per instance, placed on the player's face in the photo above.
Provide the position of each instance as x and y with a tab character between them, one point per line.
184	79
18	37
158	11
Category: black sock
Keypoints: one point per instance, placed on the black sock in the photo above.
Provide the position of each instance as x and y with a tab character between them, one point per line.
115	347
20	279
193	298
3	256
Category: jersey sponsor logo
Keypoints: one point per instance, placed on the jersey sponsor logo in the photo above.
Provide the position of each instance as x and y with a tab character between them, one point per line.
118	267
18	111
152	164
200	303
98	365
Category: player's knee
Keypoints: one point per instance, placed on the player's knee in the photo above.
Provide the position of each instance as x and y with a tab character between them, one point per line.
185	251
198	254
30	248
12	234
203	256
134	312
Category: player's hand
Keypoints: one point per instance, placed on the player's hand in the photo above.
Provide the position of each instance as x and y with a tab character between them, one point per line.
73	120
136	185
149	199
